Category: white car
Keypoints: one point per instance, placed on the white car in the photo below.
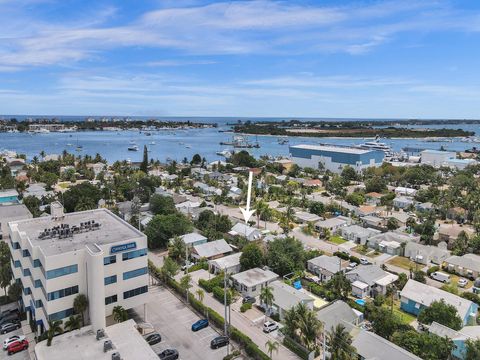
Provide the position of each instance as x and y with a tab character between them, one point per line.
269	326
364	261
462	282
187	266
352	264
11	340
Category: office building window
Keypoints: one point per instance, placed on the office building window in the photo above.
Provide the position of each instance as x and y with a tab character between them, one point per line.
27	291
110	260
134	254
38	303
110	279
61	314
38	283
15	245
17	263
26	272
62	293
135	292
71	269
37	263
110	299
25	253
134	273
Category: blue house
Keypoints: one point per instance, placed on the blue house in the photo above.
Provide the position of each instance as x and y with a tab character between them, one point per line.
8	196
459	337
416	296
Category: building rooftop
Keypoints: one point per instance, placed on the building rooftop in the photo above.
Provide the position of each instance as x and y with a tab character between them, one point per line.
192	238
286	296
213	248
332	264
348	150
14	212
369	274
111	229
8	193
337	312
83	345
227	261
254	277
467	261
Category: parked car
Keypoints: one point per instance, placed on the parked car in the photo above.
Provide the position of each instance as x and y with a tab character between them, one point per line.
440	276
11	317
168	354
17	346
187	265
364	261
153	338
352	264
248	299
269	326
12	339
9	327
462	282
200	324
219	341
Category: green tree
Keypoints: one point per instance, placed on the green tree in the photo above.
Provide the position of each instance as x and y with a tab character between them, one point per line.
243	158
349	174
340	344
196	159
442	313
267	298
271	346
80	305
339	286
384	322
14	291
425	345
401	281
33	205
375	184
74	322
186	283
5	276
144	164
285	255
317	208
177	249
85	190
162	205
419	276
392	223
200	295
119	314
54	328
251	257
164	227
169	269
472	349
460	246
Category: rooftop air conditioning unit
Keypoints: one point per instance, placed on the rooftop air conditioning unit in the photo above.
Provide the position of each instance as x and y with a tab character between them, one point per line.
116	356
107	345
100	334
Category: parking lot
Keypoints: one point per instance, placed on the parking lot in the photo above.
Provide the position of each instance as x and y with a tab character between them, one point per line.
22	355
173	320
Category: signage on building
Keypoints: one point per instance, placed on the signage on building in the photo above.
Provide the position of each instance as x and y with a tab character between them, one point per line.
123	247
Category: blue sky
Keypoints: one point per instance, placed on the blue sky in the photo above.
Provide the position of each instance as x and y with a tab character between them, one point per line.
305	58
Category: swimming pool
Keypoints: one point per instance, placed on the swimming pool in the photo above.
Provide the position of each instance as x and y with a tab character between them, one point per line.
360	302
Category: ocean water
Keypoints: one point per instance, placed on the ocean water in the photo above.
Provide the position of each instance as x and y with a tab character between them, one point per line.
177	144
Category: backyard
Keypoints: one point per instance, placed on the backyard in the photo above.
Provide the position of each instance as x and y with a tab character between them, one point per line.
403	262
336	239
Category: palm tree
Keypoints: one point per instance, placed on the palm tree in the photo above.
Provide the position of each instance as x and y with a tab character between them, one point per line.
54	328
119	314
271	347
340	344
308	325
73	323
267	298
200	295
185	283
80	305
260	207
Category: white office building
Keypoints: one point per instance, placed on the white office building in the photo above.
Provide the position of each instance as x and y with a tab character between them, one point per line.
335	158
93	252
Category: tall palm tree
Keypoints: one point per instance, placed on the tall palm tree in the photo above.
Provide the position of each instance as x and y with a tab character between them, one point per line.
260	209
80	305
271	347
308	326
340	344
186	284
73	323
54	328
200	295
267	298
119	314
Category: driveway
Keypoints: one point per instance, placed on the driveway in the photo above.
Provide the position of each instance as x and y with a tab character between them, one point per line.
173	320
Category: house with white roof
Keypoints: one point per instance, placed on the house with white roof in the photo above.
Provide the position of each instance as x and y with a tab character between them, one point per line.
402	202
425	254
303	217
358	234
416	296
467	265
390	242
230	264
251	282
370	280
338	312
211	250
332	225
459	337
193	238
248	232
285	297
326	266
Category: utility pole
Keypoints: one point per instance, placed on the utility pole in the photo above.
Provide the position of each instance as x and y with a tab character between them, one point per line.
186	264
225	305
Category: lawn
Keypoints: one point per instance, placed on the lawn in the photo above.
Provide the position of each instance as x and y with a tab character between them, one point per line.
454	280
402	262
402	315
361	249
337	240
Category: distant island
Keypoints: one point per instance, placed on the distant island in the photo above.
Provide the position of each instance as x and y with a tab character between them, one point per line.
354	129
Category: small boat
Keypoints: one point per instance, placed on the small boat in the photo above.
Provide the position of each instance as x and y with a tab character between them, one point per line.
225	153
188	146
79	148
133	148
152	142
282	140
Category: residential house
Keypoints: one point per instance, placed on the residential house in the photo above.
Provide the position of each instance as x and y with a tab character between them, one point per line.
286	164
369	280
38	190
187	207
425	254
230	264
416	296
193	238
199	173
234	192
405	191
338	312
8	196
312	183
285	297
424	207
326	266
457	213
251	282
97	168
467	265
332	225
207	189
304	217
211	250
459	337
365	210
390	242
15	164
373	198
402	202
449	233
371	346
248	232
374	222
358	234
169	178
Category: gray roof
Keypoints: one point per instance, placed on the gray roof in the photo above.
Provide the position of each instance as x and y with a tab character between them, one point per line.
445	331
392	236
426	294
8	193
337	312
370	346
244	230
285	296
112	229
329	263
255	276
227	261
368	274
360	230
213	248
14	212
335	221
467	261
192	238
426	250
306	216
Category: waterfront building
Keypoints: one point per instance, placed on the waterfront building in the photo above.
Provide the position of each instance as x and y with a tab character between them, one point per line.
438	158
93	252
335	158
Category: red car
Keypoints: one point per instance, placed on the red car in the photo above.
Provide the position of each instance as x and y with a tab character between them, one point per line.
17	346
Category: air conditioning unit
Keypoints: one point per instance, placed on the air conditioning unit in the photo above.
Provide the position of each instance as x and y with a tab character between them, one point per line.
107	345
116	356
100	334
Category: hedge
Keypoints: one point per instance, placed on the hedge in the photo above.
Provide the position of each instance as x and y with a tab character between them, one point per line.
354	259
219	294
208	285
296	348
342	255
202	265
471	296
433	269
245	307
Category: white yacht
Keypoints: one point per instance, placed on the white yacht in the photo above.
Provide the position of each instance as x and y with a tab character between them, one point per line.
376	145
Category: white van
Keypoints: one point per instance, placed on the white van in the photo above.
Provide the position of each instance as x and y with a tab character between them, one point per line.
440	276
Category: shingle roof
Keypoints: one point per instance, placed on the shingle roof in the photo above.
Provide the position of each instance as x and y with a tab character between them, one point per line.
213	248
336	313
370	346
286	296
329	263
467	261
